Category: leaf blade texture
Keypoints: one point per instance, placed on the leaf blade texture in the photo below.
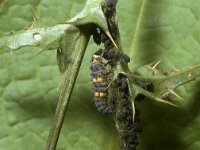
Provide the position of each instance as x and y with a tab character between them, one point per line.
150	30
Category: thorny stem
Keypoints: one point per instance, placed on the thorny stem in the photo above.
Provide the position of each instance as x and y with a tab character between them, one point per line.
66	91
120	92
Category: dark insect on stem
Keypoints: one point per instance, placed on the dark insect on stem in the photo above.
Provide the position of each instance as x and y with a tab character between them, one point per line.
96	35
124	58
109	52
110	7
129	128
100	84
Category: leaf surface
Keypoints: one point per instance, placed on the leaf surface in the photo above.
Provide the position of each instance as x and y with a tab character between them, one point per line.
153	30
29	94
166	31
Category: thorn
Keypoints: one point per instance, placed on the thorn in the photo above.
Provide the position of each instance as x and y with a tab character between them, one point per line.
110	37
166	102
133	110
35	16
156	64
151	96
109	84
59	49
175	94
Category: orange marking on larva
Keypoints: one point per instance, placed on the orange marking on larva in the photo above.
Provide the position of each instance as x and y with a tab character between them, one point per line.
102	94
96	94
99	94
99	79
94	80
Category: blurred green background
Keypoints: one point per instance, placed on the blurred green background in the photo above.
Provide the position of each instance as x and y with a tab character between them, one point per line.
166	30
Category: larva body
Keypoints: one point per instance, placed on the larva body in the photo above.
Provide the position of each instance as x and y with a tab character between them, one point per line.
100	84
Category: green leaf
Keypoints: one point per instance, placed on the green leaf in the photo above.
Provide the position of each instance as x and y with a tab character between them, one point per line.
92	13
168	31
29	94
153	30
44	38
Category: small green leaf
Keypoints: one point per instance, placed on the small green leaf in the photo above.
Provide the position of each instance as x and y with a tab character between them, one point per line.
28	87
44	38
62	37
92	13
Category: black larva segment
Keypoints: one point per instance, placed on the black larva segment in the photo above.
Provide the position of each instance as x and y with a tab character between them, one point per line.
99	73
100	83
105	111
100	89
99	103
102	108
97	67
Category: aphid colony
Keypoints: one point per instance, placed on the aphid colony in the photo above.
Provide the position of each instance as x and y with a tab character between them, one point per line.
107	84
124	115
132	127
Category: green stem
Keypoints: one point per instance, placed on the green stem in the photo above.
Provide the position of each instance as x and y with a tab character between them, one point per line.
66	91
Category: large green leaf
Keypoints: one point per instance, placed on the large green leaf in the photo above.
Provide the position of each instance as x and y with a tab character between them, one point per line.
168	31
29	94
153	30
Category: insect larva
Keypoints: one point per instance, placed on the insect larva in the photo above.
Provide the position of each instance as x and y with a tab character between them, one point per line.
100	84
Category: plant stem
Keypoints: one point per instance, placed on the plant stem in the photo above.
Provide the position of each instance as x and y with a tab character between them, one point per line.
125	117
66	90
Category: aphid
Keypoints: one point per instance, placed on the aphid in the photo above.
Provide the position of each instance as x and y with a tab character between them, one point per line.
96	35
100	84
110	53
124	58
110	7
